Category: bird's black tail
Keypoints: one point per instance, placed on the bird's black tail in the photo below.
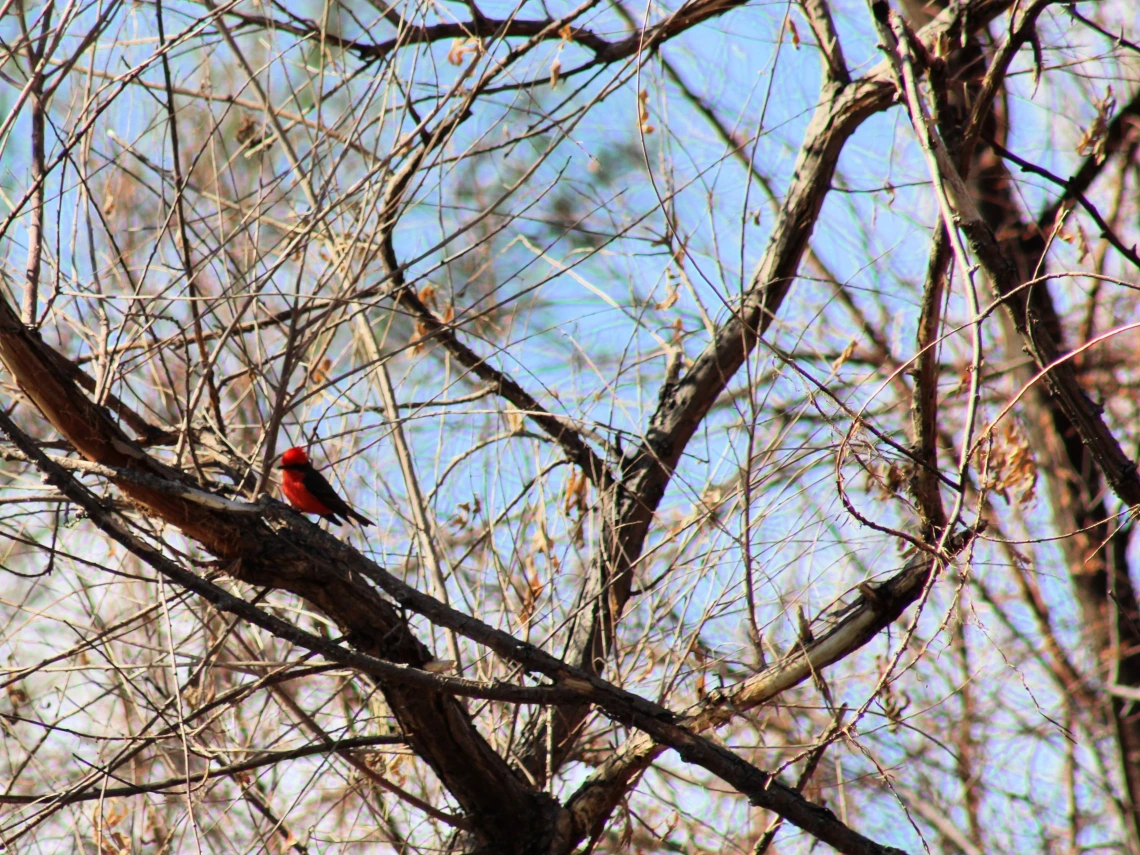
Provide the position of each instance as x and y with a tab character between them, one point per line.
358	518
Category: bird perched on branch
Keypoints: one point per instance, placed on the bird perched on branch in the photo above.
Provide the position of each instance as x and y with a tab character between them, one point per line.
308	490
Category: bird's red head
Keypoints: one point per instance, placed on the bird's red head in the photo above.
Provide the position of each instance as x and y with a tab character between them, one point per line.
294	457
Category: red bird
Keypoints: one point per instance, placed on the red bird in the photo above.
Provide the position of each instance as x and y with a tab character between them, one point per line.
307	490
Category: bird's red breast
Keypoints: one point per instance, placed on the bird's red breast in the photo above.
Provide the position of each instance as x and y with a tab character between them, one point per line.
299	495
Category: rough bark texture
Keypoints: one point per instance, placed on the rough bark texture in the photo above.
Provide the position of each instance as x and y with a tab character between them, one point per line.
504	807
504	810
685	402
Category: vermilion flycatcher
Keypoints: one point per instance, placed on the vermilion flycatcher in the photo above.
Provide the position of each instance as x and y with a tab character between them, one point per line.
307	489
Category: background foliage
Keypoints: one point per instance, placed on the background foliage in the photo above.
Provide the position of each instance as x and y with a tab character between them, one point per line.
637	331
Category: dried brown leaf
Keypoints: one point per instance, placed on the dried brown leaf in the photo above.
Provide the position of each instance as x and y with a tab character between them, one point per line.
1011	466
1092	141
574	497
460	48
643	112
843	357
795	34
670	298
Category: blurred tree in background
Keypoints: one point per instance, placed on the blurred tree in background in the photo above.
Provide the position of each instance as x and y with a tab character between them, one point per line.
746	395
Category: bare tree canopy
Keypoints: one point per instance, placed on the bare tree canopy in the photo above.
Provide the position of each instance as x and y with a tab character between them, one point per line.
745	396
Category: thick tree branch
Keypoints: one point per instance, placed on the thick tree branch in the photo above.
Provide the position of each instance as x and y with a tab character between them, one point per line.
685	403
851	628
656	721
1068	421
437	727
661	728
605	51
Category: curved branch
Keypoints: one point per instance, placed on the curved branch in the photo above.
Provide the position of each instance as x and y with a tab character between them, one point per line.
605	51
876	609
503	808
684	404
760	787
